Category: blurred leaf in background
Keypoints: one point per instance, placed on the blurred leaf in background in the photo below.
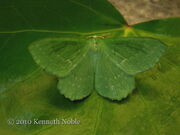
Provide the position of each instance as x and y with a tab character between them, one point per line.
28	93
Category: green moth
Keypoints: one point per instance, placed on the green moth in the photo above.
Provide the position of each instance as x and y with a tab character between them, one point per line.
107	65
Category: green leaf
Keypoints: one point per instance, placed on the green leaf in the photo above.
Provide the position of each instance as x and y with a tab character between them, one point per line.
15	61
150	110
59	15
29	93
24	22
166	27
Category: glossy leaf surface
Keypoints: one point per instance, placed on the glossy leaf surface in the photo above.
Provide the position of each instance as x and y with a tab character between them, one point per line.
28	93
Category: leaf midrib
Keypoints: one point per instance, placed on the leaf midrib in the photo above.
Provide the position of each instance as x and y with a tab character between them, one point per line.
61	32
